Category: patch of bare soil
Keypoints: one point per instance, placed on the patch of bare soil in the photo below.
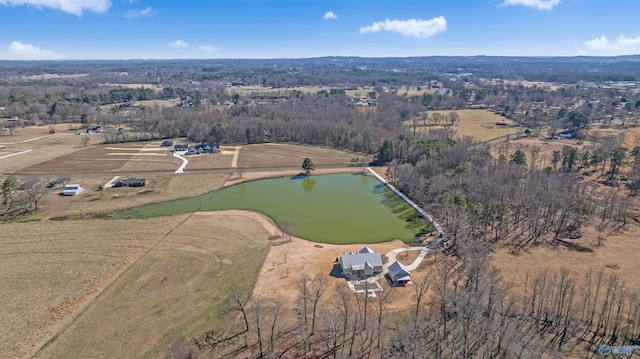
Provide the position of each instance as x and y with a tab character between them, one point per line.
618	250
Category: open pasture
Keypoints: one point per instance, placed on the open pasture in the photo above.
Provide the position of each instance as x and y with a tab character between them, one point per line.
141	156
158	189
290	155
480	124
175	290
42	149
49	270
220	160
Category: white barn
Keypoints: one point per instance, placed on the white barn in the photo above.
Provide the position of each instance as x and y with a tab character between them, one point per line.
362	264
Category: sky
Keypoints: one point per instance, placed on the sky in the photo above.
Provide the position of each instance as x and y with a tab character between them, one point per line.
212	29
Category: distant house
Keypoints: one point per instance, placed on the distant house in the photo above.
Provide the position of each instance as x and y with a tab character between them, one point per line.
181	147
131	182
203	148
94	129
398	274
167	143
72	189
362	264
565	134
501	123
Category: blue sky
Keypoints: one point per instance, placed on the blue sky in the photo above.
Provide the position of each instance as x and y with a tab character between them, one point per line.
144	29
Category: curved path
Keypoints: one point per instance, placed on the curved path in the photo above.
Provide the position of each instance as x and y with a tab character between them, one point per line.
184	162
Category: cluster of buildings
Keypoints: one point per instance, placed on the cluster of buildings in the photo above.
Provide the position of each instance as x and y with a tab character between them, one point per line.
367	263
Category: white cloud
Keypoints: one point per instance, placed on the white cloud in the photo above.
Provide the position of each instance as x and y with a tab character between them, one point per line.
330	15
148	11
412	27
76	7
207	48
620	46
178	44
538	4
20	51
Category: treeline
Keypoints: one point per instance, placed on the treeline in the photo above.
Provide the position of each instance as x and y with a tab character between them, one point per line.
22	197
318	119
479	197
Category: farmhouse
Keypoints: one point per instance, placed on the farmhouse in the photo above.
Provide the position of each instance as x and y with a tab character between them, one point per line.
203	148
398	274
131	182
364	263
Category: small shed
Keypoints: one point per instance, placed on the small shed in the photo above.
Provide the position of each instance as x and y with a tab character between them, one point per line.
398	274
72	189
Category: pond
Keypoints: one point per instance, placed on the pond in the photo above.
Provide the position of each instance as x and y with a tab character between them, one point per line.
338	208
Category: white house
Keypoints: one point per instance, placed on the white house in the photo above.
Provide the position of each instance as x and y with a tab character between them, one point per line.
72	189
364	263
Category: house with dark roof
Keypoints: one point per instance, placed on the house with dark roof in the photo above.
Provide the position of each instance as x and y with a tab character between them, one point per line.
203	148
180	147
398	274
131	182
365	263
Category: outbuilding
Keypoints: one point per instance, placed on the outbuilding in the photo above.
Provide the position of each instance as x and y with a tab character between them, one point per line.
72	189
398	274
131	182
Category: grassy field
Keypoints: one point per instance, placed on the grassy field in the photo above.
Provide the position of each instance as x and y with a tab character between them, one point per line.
288	155
158	189
175	290
209	161
131	157
42	146
50	269
476	123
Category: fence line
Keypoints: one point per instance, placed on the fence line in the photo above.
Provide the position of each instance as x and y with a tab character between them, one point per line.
412	204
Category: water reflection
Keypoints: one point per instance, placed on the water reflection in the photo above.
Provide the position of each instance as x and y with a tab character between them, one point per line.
308	184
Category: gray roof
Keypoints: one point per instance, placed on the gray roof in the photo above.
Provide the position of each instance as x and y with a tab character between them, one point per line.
366	250
358	261
396	272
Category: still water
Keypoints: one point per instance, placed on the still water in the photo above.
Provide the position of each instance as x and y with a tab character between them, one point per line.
338	208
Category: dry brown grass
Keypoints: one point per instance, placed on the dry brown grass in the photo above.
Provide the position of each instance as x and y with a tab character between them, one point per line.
480	124
289	155
209	161
158	189
50	270
43	149
174	290
618	254
131	157
618	251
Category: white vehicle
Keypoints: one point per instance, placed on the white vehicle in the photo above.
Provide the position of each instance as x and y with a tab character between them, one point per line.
72	189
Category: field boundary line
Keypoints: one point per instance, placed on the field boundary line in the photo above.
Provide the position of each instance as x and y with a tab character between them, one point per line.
86	306
15	154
